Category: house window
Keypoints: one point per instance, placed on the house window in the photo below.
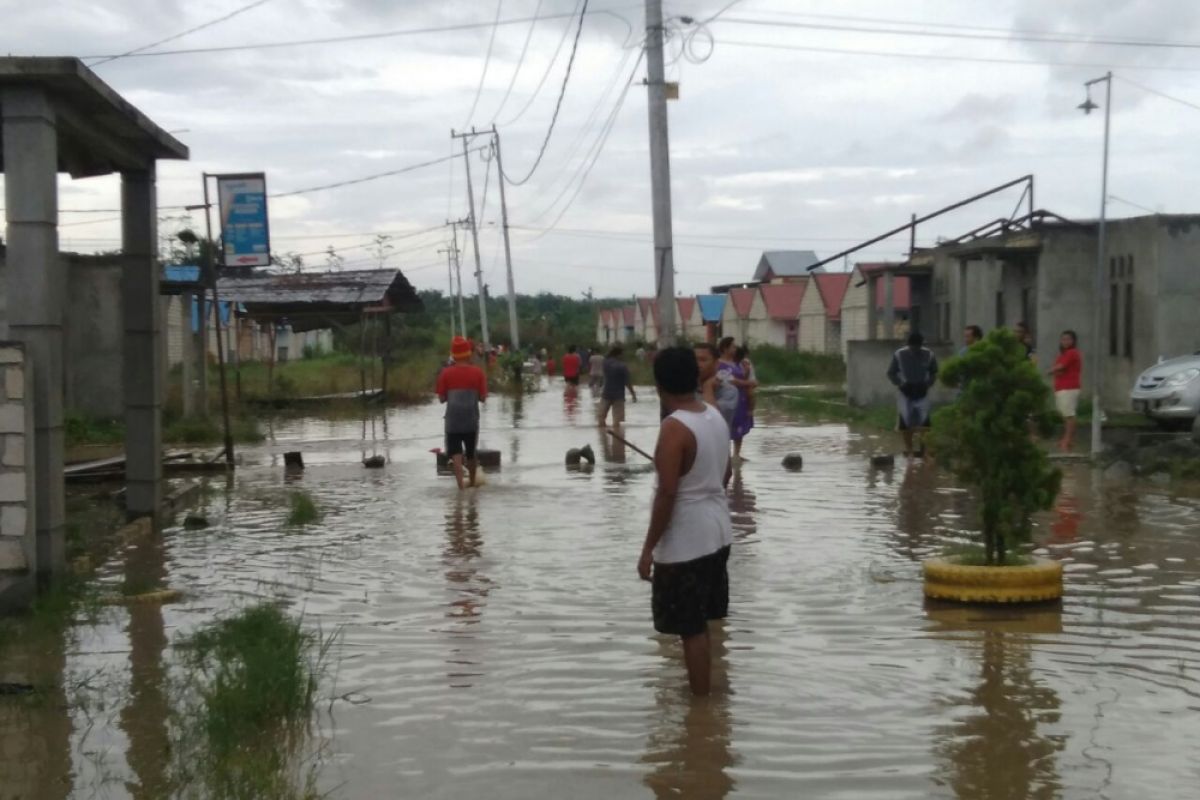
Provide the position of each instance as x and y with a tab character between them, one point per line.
1000	309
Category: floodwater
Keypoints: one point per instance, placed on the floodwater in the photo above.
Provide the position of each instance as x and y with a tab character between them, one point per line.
497	643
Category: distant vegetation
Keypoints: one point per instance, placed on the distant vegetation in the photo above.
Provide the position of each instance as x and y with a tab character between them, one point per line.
780	367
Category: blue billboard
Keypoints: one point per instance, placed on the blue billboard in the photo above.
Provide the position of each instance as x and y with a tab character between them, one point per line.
244	229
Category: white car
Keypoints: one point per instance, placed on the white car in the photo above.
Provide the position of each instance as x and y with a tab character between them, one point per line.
1169	392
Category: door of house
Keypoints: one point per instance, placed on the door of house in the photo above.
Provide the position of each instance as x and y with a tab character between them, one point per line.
793	335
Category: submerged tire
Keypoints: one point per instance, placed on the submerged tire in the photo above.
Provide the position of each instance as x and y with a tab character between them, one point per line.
1030	583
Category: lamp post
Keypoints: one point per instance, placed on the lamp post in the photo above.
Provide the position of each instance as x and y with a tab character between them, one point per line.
1087	106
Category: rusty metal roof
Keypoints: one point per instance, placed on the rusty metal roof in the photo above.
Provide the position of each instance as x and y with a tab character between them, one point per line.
311	300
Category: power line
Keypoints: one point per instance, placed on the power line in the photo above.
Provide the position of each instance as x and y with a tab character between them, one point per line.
1157	93
520	61
200	27
373	177
557	106
358	37
952	58
549	68
681	241
487	60
1045	38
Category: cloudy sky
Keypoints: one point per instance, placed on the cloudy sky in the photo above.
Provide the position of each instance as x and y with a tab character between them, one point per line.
801	124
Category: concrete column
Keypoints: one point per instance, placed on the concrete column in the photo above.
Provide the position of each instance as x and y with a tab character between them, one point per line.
872	311
143	331
36	289
889	305
187	355
963	312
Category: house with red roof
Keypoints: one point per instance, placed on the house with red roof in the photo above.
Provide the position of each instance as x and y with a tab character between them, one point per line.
821	312
782	302
857	312
744	314
647	320
689	319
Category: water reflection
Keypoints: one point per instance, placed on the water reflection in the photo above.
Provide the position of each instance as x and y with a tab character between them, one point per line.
468	589
690	745
999	749
743	504
571	403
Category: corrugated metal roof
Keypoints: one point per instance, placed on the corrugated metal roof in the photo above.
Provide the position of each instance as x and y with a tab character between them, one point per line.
310	300
743	300
832	286
685	305
712	306
181	273
784	264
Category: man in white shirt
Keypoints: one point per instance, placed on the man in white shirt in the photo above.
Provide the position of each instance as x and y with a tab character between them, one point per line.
686	551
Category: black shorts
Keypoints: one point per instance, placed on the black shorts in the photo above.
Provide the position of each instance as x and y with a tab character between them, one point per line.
461	444
687	594
573	381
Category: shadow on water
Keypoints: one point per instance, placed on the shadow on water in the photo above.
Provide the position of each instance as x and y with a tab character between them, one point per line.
690	741
468	589
998	747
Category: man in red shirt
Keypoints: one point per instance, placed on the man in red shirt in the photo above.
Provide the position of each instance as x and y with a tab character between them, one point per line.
1067	372
571	365
462	387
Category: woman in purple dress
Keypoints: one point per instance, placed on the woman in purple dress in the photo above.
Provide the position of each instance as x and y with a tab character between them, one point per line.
731	378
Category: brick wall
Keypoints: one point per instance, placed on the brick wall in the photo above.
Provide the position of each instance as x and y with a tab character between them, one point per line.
17	544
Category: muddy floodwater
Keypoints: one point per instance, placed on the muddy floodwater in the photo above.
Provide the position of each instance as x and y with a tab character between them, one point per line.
497	643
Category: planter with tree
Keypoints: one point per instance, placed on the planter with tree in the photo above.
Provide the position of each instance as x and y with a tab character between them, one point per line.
985	439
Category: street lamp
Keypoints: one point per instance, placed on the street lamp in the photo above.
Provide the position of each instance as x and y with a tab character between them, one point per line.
1087	107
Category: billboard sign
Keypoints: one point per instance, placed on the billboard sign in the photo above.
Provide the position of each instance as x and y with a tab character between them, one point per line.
244	229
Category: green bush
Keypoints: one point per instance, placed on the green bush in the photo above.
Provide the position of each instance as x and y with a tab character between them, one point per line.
302	509
985	438
777	366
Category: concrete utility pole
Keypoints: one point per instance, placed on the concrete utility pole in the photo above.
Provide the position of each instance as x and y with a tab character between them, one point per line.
1101	257
514	332
216	301
660	174
462	315
450	284
483	320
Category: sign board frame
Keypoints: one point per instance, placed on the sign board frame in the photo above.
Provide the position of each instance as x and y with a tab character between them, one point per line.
244	221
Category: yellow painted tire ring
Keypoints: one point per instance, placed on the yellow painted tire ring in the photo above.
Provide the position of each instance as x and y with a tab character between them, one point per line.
1042	572
160	596
993	594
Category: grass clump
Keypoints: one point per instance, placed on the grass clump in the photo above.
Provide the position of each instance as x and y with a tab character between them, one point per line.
210	430
252	683
302	509
80	429
976	556
779	366
829	404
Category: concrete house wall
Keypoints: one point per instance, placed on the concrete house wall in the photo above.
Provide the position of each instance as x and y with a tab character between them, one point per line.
759	327
855	316
812	321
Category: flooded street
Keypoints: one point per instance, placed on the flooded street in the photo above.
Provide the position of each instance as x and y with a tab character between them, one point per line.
498	644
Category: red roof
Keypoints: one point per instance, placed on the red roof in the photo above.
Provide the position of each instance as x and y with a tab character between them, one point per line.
650	305
629	313
686	305
832	287
901	293
783	299
743	300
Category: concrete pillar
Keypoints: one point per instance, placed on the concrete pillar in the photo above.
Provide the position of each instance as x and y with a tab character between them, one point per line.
963	320
889	305
187	354
872	311
36	289
143	331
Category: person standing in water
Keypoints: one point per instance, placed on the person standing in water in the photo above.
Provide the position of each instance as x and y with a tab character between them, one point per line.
462	387
596	371
571	366
616	382
732	394
686	551
706	360
1068	379
913	372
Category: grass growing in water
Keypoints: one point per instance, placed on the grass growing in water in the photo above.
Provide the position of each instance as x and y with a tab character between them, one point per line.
199	430
252	679
829	404
976	556
778	366
302	509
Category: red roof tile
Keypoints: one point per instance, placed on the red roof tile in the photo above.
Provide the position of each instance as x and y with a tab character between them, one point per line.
832	286
901	293
685	305
629	314
649	305
783	299
743	300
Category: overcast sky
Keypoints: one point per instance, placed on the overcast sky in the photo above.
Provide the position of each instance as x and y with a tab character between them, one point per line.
801	144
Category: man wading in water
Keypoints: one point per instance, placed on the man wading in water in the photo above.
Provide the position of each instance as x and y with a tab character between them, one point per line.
686	552
462	388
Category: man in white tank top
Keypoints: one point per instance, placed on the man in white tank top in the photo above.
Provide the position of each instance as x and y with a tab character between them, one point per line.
687	545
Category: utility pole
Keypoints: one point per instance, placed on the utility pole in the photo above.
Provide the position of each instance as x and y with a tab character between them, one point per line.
660	173
216	301
462	316
1101	256
450	284
514	332
483	320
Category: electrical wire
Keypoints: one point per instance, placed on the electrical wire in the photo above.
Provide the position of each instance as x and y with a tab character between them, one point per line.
373	177
549	68
557	106
1157	93
951	58
209	24
520	61
1045	38
487	60
357	37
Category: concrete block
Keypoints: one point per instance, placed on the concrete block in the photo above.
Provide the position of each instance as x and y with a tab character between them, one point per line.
12	487
14	450
14	383
12	557
13	520
11	355
12	418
